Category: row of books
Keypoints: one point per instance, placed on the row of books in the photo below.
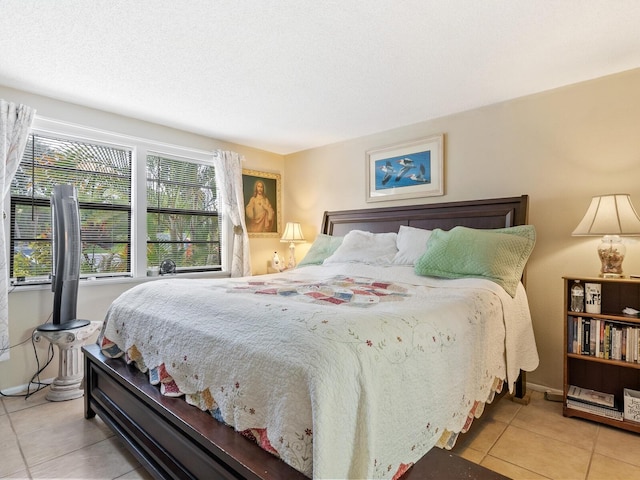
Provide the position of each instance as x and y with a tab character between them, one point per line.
595	402
604	339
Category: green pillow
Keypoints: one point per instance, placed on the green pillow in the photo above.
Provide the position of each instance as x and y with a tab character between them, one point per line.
322	247
498	255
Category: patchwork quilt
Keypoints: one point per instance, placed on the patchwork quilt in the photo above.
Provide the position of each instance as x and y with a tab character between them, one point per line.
347	371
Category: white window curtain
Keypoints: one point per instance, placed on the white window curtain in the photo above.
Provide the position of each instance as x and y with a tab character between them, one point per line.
228	167
15	123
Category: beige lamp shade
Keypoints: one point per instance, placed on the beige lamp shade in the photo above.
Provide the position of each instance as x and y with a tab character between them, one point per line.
292	233
610	216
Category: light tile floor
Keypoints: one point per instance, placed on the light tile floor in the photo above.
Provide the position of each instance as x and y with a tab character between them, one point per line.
535	441
41	439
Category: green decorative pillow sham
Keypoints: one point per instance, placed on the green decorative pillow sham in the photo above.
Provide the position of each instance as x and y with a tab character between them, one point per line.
322	247
499	255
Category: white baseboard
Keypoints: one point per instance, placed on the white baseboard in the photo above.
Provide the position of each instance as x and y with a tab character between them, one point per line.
22	389
551	394
541	388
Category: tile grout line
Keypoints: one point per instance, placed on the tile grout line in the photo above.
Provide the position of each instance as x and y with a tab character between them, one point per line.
602	427
593	451
507	425
27	466
512	462
15	434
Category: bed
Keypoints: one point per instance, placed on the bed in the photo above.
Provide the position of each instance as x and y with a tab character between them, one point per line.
338	422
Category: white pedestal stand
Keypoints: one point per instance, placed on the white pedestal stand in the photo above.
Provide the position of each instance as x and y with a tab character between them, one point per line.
67	385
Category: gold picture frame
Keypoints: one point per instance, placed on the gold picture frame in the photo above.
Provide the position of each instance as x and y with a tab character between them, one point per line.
262	208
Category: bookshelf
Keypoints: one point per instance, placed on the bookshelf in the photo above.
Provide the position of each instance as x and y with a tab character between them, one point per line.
589	362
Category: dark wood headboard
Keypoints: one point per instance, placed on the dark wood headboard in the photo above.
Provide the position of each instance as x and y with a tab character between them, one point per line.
489	213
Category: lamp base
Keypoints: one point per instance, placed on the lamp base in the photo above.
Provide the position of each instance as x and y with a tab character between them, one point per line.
611	252
611	275
292	256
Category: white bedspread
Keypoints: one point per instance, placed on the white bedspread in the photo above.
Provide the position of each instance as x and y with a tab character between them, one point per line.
340	376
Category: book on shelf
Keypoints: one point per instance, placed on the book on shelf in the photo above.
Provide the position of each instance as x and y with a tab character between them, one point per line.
595	409
606	339
586	336
591	397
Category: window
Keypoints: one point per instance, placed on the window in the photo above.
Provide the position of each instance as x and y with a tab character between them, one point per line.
132	198
102	177
182	215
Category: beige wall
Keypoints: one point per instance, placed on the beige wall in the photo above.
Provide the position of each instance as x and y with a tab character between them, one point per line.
30	308
559	147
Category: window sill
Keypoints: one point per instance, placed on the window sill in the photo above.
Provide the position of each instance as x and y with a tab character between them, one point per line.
110	281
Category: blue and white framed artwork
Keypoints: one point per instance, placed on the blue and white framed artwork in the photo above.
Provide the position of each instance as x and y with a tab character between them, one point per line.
408	170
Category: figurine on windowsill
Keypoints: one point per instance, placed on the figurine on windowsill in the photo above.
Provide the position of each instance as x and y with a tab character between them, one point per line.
276	264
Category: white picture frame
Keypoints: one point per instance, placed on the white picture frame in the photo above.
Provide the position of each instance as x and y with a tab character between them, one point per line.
411	169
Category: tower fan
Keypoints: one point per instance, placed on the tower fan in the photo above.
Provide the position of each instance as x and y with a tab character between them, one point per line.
66	258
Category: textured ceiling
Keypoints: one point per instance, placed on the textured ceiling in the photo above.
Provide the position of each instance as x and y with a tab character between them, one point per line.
290	75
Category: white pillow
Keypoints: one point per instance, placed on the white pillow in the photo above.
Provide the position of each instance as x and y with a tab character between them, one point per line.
366	247
412	243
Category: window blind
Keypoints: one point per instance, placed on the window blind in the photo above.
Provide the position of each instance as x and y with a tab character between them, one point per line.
183	224
102	176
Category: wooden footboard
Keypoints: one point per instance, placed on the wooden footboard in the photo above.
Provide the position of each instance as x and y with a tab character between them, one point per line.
173	439
169	437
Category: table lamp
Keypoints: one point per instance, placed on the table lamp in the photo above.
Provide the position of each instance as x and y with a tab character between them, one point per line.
611	216
293	235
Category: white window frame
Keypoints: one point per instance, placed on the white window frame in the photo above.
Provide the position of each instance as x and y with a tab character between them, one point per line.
139	147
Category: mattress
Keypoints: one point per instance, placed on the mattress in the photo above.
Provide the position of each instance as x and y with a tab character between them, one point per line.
341	370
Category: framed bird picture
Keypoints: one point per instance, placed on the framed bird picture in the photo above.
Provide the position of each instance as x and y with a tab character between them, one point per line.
407	170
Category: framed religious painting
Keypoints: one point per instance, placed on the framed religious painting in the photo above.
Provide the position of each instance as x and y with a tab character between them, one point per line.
406	170
262	199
